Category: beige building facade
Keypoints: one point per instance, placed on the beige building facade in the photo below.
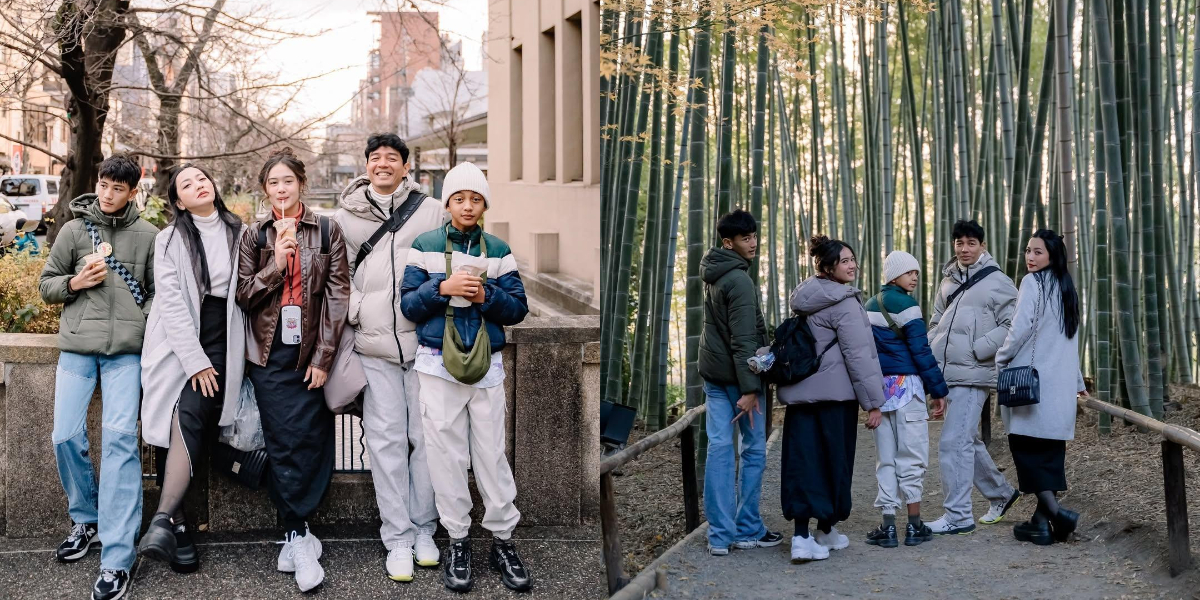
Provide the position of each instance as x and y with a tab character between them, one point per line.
543	136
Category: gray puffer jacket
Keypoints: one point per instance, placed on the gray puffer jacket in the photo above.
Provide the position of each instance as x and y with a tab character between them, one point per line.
850	369
966	335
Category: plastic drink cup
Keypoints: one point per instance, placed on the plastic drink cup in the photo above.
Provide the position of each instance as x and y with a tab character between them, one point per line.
286	228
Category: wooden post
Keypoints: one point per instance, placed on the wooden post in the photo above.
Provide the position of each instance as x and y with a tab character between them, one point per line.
612	536
985	421
1179	555
691	497
770	408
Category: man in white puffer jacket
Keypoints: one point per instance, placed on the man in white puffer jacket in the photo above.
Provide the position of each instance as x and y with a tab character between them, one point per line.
387	344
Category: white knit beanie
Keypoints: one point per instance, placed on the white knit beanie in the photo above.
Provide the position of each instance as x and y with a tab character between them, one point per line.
465	176
898	263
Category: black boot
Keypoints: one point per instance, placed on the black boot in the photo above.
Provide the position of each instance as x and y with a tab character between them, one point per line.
159	540
504	558
187	559
1038	533
1064	523
883	536
456	565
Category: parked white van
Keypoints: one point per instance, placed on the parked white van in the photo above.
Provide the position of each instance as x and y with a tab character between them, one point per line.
35	195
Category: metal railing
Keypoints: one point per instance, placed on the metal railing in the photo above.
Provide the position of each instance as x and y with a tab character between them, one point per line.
1174	440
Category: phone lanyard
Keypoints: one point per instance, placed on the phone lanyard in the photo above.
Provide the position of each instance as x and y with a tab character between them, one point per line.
293	263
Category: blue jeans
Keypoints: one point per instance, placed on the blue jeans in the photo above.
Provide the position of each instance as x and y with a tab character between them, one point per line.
731	506
118	513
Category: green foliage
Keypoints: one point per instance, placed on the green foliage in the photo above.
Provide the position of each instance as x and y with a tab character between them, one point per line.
21	306
156	212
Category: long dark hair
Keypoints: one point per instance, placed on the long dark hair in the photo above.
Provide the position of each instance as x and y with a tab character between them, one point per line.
826	253
1057	269
182	220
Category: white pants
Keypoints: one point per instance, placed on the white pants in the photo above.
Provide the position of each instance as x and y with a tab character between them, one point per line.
396	444
464	426
902	444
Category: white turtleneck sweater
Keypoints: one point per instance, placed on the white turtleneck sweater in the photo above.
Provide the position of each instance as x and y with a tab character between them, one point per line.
216	250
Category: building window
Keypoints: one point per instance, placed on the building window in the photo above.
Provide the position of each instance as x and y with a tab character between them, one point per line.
516	107
571	68
546	102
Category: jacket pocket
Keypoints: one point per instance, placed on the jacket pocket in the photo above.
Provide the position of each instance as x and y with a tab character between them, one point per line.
76	315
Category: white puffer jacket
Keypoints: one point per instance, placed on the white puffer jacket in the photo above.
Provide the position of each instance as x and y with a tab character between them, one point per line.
381	330
965	336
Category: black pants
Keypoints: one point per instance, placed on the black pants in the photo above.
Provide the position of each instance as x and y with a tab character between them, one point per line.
298	430
819	440
198	415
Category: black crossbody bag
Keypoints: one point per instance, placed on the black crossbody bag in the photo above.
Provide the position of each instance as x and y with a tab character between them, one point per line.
1021	386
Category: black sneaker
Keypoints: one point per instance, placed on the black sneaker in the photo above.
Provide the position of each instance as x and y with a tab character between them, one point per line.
504	559
110	585
883	536
768	540
915	535
456	565
187	559
76	546
159	540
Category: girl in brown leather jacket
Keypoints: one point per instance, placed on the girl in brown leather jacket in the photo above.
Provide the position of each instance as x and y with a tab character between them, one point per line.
294	284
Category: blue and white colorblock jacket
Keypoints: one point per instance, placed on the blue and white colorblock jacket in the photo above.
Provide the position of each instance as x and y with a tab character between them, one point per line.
910	354
504	294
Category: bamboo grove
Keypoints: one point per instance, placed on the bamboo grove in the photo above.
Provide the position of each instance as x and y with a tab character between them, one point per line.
882	123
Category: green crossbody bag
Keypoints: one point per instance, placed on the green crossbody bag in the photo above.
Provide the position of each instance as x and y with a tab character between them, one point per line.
466	367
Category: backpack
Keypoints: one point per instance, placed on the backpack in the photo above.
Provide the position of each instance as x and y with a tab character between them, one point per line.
795	350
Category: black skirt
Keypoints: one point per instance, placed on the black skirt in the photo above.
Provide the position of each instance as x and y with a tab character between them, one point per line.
298	431
819	440
1040	463
198	415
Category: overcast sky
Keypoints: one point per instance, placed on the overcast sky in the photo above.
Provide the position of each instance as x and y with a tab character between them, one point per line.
346	42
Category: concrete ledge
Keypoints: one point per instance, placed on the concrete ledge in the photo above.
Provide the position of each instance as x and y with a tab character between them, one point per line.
28	348
580	329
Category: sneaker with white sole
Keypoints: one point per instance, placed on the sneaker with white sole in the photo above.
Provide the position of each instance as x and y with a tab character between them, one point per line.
768	540
996	512
110	585
286	563
76	546
805	549
427	551
400	563
943	526
718	550
832	540
309	572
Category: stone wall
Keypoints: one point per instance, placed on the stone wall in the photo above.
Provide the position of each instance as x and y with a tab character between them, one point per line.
553	389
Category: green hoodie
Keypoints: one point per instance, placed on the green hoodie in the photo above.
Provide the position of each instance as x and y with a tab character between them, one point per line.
103	319
734	327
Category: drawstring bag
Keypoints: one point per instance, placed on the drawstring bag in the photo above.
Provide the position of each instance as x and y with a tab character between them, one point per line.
468	368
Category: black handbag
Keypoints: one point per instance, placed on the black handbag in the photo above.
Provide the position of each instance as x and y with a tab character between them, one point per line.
246	468
1021	386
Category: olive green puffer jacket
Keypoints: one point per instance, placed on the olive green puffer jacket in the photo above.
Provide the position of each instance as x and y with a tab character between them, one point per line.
734	327
104	319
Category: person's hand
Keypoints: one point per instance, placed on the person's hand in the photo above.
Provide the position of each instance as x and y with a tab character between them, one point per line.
90	277
460	284
748	405
481	295
285	247
939	407
317	377
207	382
1084	394
874	418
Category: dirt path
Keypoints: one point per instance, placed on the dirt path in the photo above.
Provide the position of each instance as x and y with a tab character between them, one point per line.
987	564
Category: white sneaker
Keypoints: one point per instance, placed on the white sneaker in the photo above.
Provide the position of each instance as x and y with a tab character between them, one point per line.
998	509
943	526
427	551
309	573
832	540
805	549
400	563
286	563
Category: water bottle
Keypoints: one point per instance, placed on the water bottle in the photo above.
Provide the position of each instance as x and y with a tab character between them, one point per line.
761	363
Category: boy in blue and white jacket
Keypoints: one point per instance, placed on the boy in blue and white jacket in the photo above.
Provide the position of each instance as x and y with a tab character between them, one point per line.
464	423
909	369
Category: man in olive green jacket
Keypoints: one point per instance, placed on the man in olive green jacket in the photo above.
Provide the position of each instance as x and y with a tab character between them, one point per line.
733	330
101	270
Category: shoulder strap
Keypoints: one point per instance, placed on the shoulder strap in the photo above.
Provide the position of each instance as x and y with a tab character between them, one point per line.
976	278
324	222
394	222
888	317
262	233
135	286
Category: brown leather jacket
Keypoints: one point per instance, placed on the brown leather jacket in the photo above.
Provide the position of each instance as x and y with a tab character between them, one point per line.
324	301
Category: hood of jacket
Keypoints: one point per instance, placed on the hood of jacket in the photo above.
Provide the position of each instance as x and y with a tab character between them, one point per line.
354	197
952	269
817	293
87	207
719	261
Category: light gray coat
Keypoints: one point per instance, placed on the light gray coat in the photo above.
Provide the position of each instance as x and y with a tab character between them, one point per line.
1052	353
172	352
964	336
849	371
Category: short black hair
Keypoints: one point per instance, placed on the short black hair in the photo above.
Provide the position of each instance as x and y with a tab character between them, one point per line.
120	168
967	229
386	140
736	223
